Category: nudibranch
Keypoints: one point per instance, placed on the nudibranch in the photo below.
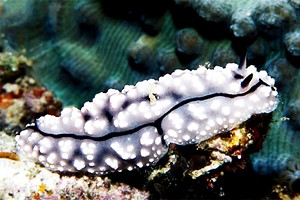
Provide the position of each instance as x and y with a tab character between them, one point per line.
134	127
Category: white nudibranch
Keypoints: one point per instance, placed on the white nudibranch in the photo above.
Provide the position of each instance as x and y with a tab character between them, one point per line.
134	127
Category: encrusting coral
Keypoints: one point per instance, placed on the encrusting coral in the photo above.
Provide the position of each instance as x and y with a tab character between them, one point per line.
21	97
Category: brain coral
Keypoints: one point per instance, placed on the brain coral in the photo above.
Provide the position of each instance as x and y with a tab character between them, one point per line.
83	47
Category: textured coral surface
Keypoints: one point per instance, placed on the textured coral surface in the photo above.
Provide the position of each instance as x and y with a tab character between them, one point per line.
83	47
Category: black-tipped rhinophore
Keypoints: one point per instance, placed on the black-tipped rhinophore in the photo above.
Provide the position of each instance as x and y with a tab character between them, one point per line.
246	81
243	60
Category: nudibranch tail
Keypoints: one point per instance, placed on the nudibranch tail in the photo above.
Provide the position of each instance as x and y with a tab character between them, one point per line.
134	127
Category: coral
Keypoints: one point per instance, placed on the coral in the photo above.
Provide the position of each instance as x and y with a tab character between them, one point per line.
142	55
285	166
82	47
188	42
168	61
212	11
247	18
283	72
280	153
242	24
21	97
291	174
74	53
271	14
273	165
293	113
20	13
12	66
295	3
39	100
7	143
28	181
292	42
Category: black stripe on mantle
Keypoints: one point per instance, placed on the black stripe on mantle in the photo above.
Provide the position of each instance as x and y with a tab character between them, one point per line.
156	123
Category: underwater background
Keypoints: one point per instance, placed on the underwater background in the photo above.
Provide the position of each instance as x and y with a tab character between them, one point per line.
73	49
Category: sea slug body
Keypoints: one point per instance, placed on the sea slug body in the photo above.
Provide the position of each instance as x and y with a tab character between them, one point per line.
134	127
